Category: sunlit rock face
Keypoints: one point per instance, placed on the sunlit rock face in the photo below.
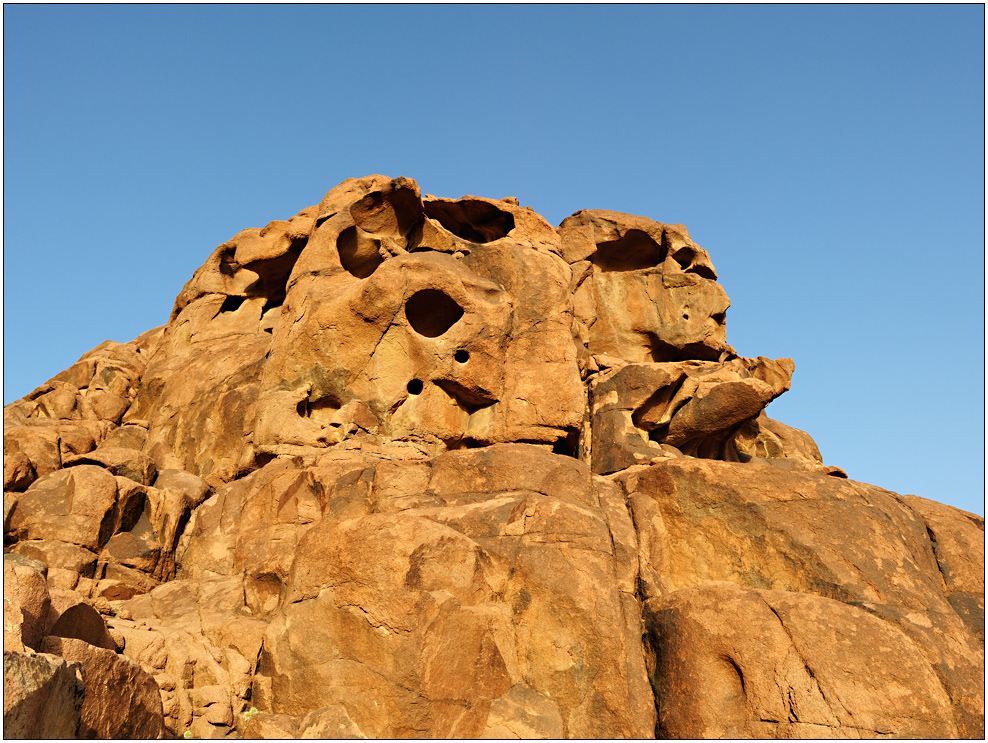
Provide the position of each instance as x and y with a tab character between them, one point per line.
408	466
375	317
645	291
384	318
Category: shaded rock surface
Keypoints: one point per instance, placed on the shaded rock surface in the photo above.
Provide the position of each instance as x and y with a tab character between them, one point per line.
407	466
63	676
42	696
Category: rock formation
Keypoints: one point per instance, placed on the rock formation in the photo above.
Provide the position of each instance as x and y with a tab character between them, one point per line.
406	466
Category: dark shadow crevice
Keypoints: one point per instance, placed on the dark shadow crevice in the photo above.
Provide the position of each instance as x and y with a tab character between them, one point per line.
475	221
569	446
232	304
469	400
660	351
634	251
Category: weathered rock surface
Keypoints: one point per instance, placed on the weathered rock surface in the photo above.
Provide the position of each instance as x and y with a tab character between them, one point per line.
797	666
405	466
77	685
121	700
759	527
42	696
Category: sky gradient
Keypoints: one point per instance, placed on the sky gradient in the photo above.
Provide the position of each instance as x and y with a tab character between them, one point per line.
829	158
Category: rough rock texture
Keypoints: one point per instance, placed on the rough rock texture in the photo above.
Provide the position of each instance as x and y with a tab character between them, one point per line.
798	666
406	466
760	528
42	696
121	700
62	674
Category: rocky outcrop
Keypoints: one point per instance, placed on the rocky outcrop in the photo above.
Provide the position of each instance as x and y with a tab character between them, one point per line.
759	528
63	676
798	666
42	696
406	466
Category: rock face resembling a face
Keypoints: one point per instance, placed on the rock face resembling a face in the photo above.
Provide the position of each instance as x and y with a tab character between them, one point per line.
401	326
381	318
647	291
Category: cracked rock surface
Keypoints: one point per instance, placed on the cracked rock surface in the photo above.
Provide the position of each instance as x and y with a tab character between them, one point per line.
407	466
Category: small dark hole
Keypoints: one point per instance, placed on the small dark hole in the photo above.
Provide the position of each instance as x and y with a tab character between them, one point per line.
231	304
228	266
272	302
415	387
462	356
466	443
569	446
685	316
684	257
659	434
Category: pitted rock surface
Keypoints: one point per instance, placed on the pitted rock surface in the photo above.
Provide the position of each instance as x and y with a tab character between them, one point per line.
408	466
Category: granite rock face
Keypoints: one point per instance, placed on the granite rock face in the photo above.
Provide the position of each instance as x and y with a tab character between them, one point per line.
407	466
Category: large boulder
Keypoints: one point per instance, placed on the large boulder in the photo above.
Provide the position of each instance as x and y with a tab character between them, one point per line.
763	528
459	582
121	699
798	665
26	602
42	696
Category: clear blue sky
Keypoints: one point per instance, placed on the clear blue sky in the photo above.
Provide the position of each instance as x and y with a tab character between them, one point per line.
830	158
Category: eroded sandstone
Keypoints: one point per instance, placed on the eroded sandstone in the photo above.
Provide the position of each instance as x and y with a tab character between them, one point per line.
408	466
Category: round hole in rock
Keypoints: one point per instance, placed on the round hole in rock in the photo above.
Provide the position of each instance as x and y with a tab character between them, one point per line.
431	312
415	387
232	304
462	356
684	257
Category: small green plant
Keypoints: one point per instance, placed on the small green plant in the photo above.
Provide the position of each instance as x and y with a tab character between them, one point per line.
249	714
187	734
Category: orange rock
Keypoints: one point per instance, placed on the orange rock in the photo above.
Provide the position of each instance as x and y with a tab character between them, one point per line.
26	601
42	696
761	527
408	466
121	699
796	665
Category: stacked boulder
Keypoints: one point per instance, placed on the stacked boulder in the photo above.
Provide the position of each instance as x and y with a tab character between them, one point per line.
63	673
